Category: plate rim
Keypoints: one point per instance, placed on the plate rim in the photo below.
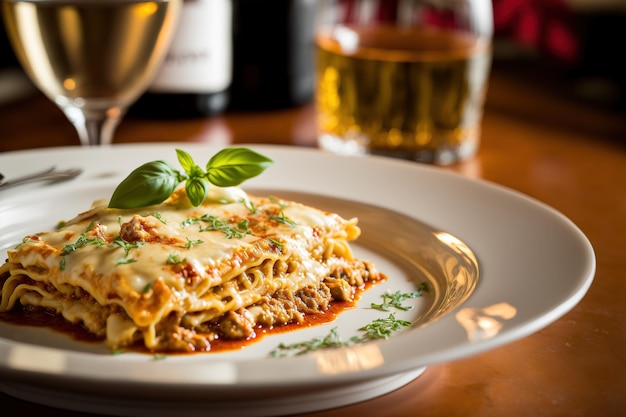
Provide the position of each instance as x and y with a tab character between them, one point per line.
388	348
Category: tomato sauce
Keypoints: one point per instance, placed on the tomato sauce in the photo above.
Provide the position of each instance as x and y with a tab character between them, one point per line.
80	333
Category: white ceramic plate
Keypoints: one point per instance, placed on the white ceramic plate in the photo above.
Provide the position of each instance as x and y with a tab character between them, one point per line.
500	265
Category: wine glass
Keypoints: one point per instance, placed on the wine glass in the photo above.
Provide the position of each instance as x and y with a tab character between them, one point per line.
93	58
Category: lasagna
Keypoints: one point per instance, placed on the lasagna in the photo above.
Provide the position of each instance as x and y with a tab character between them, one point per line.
174	278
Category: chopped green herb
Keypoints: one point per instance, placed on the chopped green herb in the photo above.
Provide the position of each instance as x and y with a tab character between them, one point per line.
214	224
82	240
189	221
249	205
90	226
25	240
381	328
277	201
61	224
275	242
395	299
329	341
159	217
124	261
283	219
378	329
127	246
192	242
174	259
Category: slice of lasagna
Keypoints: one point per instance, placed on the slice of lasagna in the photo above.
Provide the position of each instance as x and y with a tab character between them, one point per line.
173	277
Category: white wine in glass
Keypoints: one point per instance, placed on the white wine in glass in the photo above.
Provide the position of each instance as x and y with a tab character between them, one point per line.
93	58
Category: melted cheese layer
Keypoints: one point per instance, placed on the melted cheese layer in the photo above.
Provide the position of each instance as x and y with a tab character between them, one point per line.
130	273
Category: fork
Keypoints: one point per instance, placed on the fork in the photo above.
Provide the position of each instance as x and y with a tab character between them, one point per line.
50	174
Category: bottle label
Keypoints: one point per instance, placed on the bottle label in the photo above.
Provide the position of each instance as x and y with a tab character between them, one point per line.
199	59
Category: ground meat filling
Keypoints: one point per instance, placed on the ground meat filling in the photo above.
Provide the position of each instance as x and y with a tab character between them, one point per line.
282	307
237	324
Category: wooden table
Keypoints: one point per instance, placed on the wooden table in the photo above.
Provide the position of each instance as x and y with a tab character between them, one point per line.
564	153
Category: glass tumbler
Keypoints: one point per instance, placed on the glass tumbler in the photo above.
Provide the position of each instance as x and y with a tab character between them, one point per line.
402	78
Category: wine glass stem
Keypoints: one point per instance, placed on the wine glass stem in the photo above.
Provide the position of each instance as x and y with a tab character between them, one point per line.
98	132
94	127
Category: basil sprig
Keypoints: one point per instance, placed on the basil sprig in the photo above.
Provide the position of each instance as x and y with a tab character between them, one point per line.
153	182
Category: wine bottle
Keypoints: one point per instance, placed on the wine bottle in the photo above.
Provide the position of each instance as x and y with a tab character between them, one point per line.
195	77
273	47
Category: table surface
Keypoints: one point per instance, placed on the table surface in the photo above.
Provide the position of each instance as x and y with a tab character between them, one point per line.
568	154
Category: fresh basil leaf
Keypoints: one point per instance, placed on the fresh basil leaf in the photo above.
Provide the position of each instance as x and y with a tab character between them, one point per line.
185	160
151	183
232	166
197	190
